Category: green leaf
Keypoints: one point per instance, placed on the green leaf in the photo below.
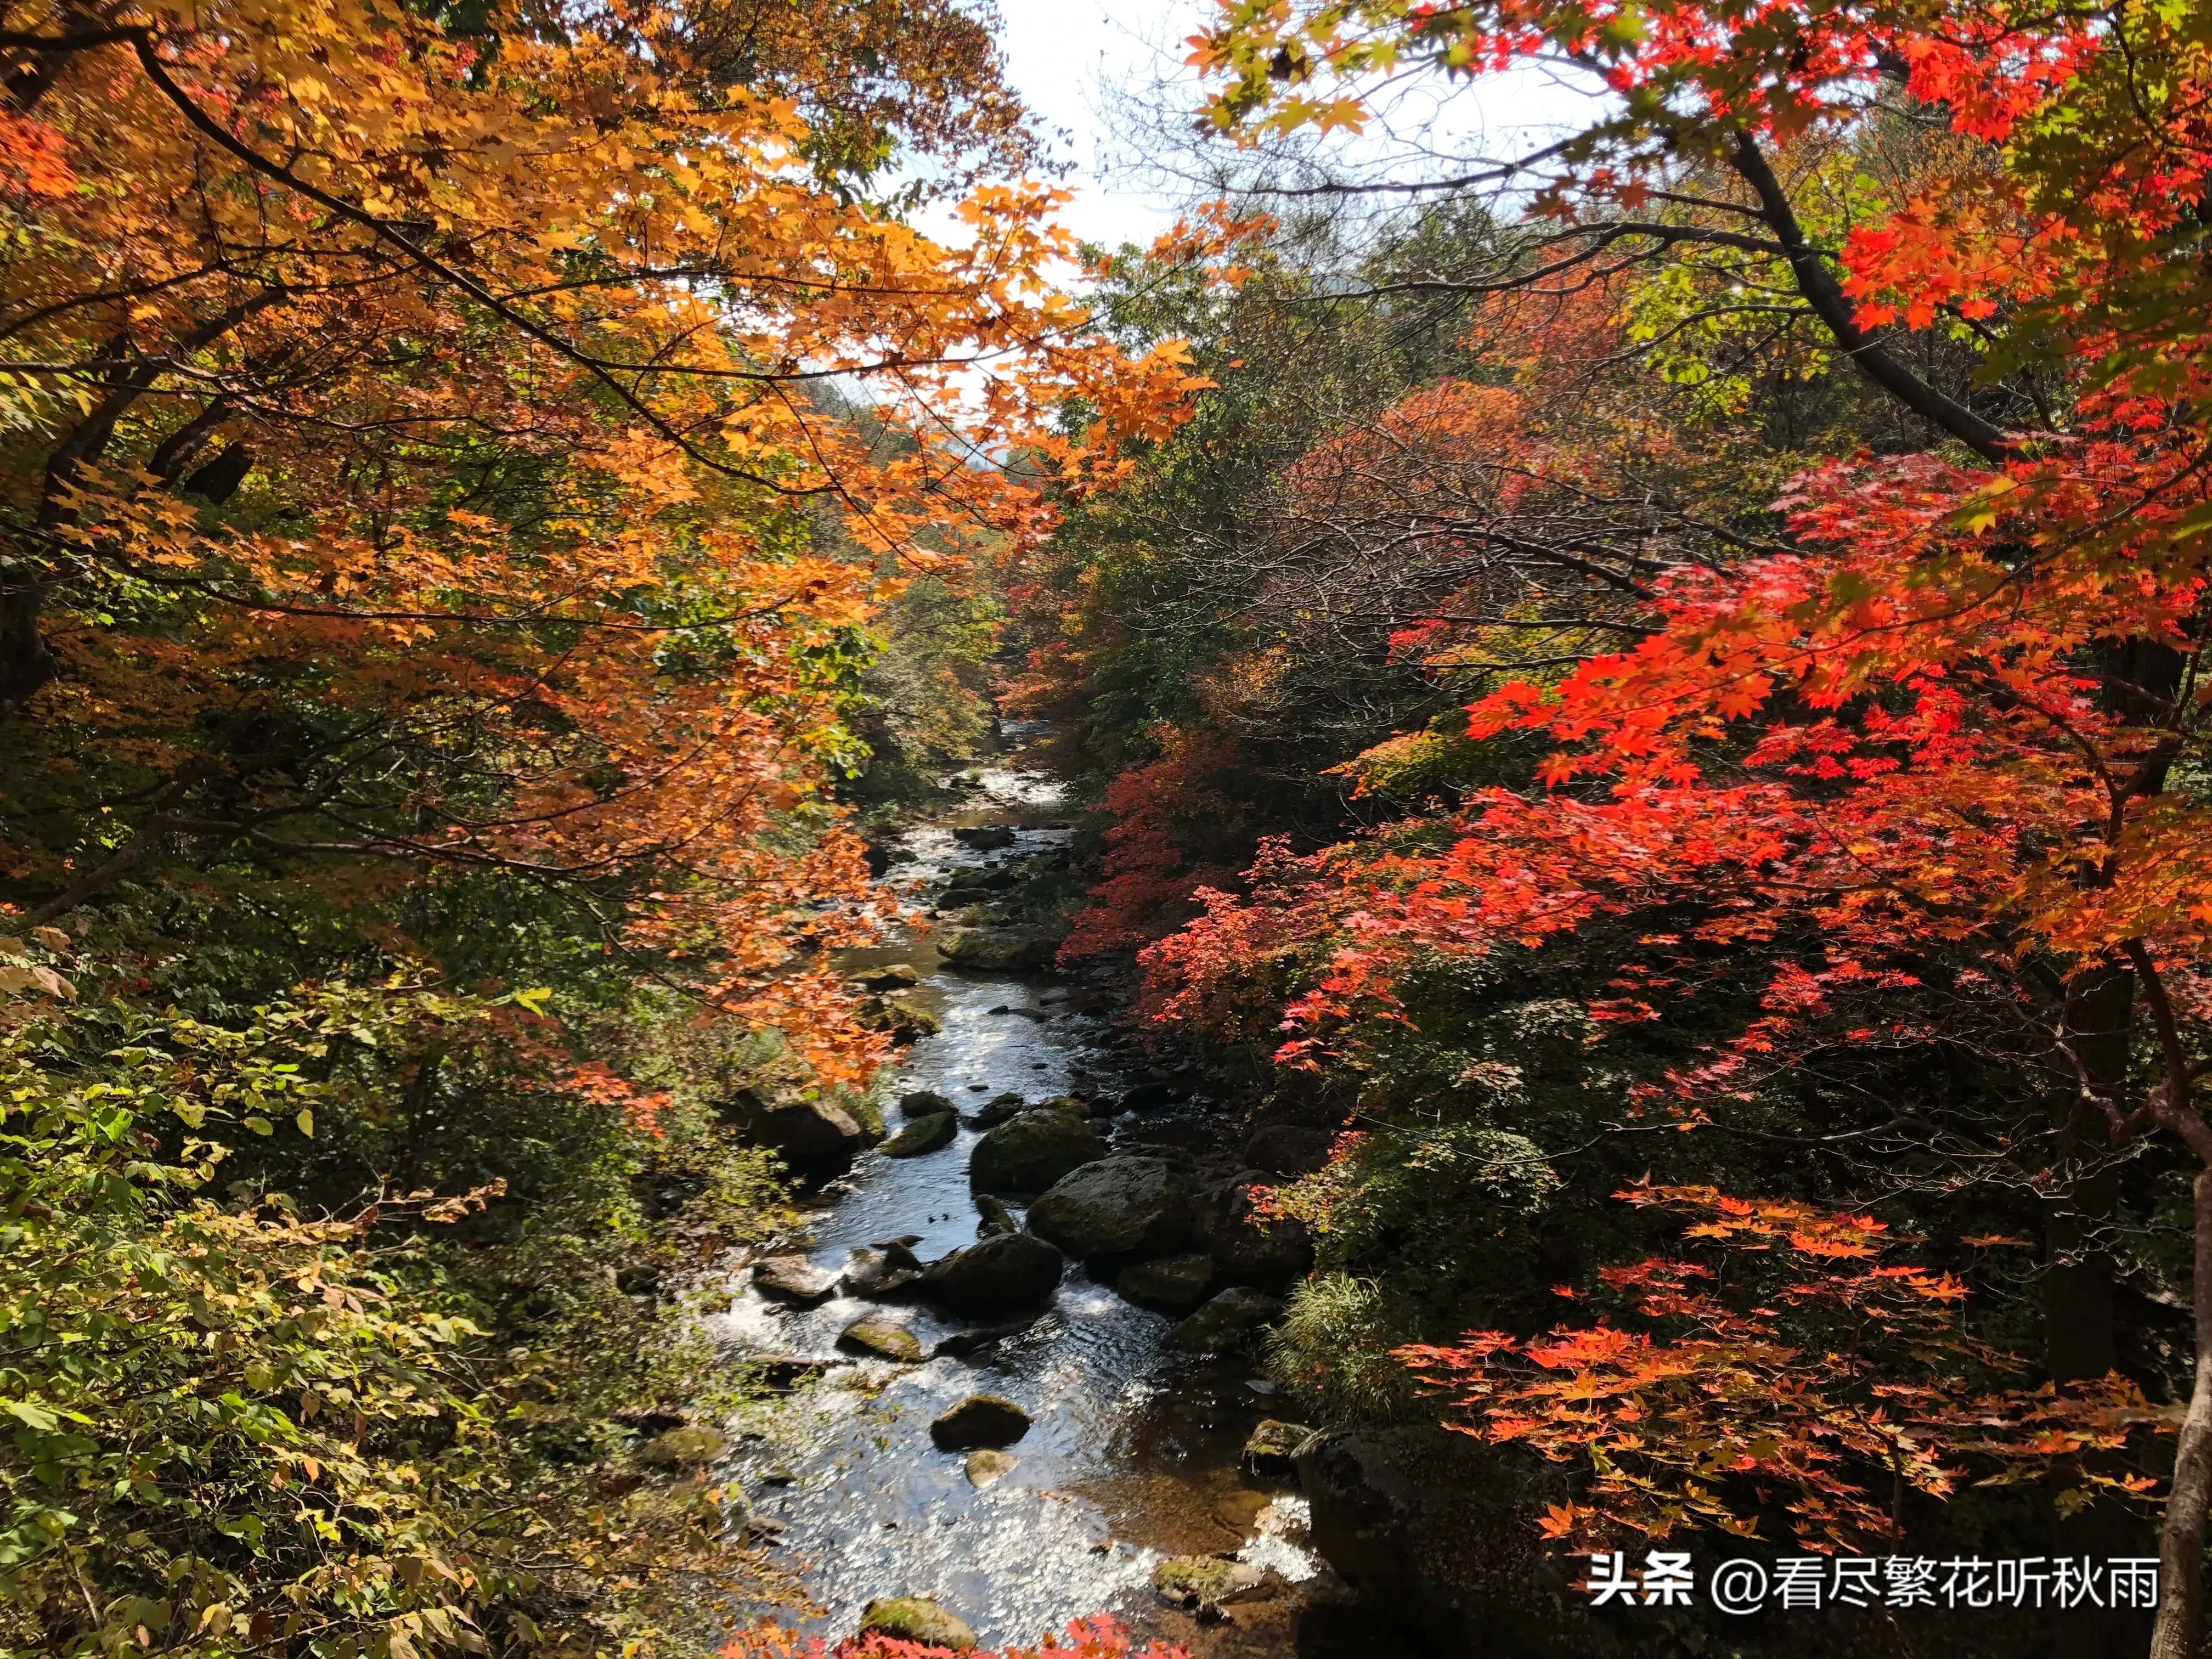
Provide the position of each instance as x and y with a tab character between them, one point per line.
306	1123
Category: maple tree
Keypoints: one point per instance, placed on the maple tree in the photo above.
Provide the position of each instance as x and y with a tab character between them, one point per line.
1925	763
447	401
455	465
1804	1374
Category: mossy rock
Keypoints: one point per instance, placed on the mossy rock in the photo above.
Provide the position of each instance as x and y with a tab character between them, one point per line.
884	1342
987	1467
924	1102
1203	1582
680	1448
999	1109
1271	1451
999	949
1027	1153
915	1619
902	1018
1113	1212
924	1135
990	1420
1231	1321
892	977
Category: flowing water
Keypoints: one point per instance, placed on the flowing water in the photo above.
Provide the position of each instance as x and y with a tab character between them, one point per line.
1132	1453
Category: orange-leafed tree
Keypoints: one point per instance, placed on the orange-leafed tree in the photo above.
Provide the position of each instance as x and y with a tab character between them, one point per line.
480	440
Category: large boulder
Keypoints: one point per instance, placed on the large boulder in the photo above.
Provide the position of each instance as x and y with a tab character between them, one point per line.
923	1134
1113	1212
812	1135
1152	1096
994	1275
915	1619
999	949
1434	1526
984	837
1173	1284
1267	1255
1027	1153
978	881
1229	1323
924	1102
980	1420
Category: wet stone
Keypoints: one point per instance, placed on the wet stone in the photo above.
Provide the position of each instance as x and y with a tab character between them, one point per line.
885	1342
924	1102
877	1272
1204	1583
1231	1321
923	1134
1173	1284
980	1421
996	1110
794	1279
994	1275
986	1467
892	977
996	1216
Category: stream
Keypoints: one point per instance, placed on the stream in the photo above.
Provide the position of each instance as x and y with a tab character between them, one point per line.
1132	1454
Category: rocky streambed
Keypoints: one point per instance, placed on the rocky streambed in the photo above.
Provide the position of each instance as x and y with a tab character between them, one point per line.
1029	1313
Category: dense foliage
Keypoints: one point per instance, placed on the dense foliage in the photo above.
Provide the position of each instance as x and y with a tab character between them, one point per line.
1711	607
459	467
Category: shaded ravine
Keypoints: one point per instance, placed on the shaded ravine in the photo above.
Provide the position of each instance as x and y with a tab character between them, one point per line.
1132	1454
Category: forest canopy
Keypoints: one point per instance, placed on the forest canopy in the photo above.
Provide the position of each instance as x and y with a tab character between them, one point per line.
1640	691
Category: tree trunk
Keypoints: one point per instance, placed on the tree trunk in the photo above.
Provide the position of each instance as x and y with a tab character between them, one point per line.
26	663
2079	1339
2077	1286
2181	1545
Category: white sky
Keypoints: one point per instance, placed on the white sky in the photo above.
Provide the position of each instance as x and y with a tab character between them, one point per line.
1065	54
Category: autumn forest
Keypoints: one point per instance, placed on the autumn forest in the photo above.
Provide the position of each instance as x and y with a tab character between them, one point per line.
1555	777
